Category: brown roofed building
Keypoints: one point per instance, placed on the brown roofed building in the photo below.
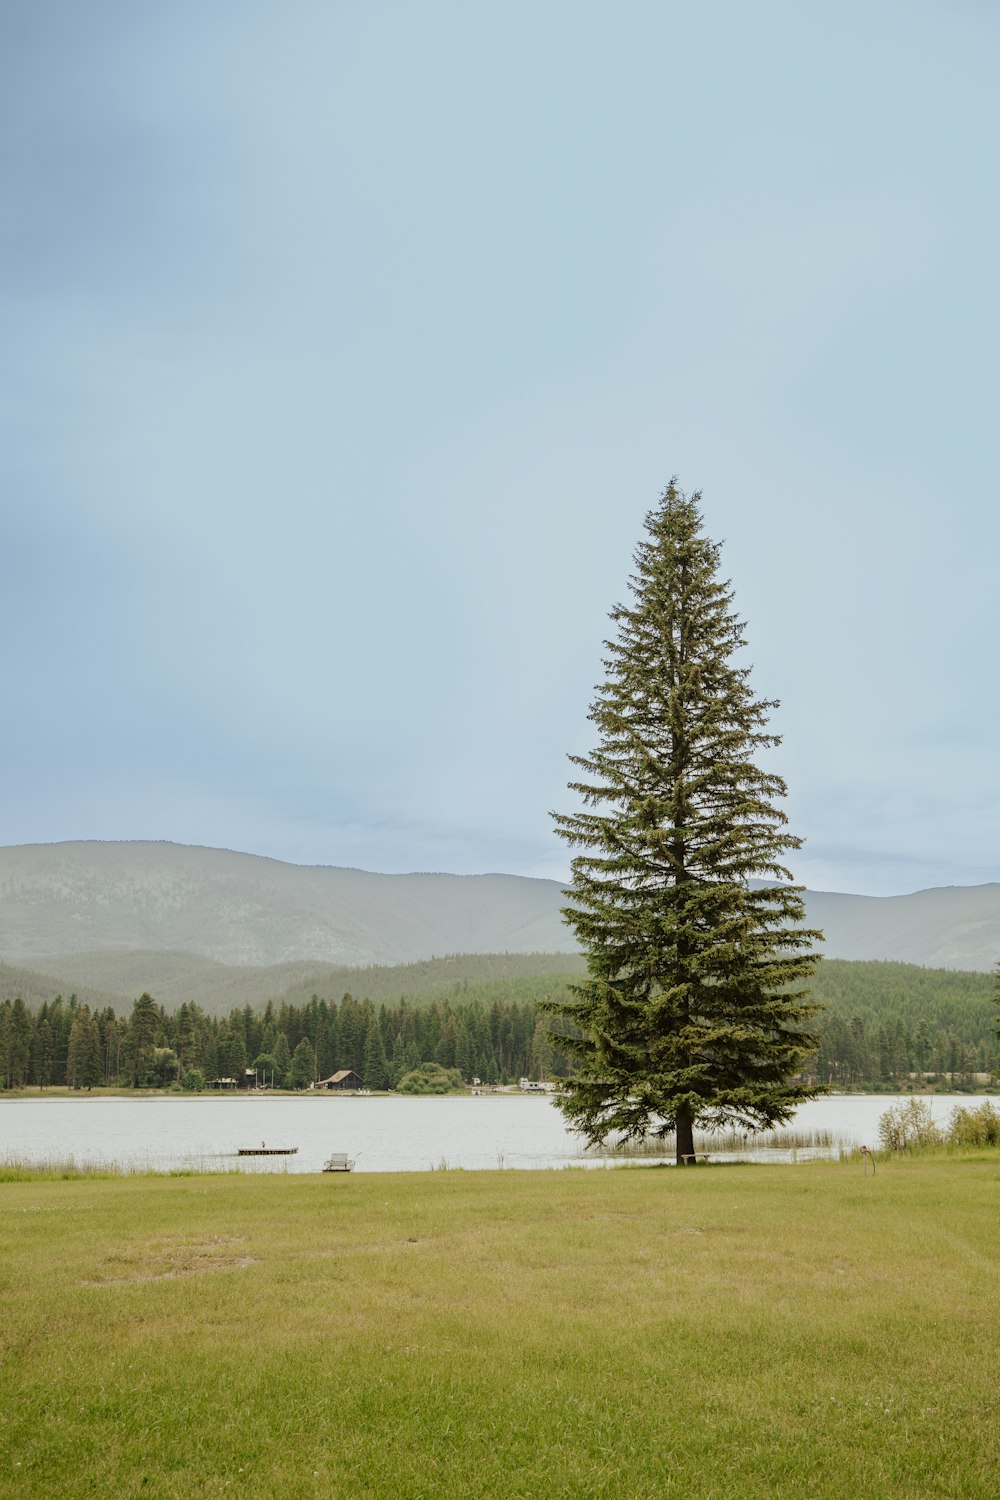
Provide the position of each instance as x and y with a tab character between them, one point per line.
345	1079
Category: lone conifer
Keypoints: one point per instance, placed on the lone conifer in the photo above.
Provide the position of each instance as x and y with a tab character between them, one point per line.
687	1015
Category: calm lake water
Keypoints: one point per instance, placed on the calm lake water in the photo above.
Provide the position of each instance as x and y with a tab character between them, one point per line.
382	1135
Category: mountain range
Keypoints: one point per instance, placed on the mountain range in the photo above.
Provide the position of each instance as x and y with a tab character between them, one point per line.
106	914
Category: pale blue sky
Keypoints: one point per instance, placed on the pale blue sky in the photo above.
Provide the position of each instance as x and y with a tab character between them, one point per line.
343	348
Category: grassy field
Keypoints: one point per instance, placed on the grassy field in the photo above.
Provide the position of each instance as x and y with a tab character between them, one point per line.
723	1332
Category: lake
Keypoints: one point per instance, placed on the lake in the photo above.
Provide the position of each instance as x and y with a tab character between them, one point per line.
382	1134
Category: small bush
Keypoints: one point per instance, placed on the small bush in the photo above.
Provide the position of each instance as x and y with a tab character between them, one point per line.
431	1078
975	1127
193	1081
909	1125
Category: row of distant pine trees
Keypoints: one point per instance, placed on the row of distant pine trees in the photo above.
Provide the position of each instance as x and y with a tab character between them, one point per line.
853	1053
66	1043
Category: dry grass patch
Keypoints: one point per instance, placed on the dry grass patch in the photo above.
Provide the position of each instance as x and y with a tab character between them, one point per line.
165	1260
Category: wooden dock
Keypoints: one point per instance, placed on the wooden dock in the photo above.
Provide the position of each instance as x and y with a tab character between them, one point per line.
263	1150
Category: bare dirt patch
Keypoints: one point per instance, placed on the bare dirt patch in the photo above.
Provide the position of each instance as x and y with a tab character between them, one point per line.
170	1262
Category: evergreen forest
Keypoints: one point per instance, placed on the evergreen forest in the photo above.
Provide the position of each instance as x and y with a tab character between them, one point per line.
880	1024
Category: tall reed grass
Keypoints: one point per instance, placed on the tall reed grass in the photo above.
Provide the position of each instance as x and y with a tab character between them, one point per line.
728	1141
14	1168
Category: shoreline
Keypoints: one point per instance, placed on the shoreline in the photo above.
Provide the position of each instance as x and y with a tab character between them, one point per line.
502	1091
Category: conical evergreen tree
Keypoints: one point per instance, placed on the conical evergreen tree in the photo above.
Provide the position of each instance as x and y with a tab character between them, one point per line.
397	1063
351	1041
282	1059
43	1052
374	1065
686	1016
302	1069
326	1044
83	1062
463	1051
142	1034
19	1043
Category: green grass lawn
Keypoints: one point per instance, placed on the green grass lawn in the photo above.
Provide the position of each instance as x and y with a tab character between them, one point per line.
726	1332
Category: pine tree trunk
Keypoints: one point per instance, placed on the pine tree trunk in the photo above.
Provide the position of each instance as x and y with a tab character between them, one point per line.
685	1137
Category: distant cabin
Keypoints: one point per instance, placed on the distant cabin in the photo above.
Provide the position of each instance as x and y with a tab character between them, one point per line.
345	1079
246	1078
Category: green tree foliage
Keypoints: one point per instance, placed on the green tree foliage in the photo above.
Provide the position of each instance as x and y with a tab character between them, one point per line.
326	1041
431	1078
975	1127
352	1035
164	1067
265	1065
908	1125
460	976
375	1066
83	1058
282	1059
878	1017
185	1037
233	1048
397	1062
43	1052
444	1053
542	1049
15	1043
143	1030
302	1071
884	1025
688	1013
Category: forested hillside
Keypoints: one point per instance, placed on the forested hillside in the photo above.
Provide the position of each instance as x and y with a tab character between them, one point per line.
179	978
880	1023
34	989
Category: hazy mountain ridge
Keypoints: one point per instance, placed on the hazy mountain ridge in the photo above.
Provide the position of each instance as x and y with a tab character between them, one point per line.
245	909
950	927
96	902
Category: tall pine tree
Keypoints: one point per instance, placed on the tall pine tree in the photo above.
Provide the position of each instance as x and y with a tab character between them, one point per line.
375	1066
689	1014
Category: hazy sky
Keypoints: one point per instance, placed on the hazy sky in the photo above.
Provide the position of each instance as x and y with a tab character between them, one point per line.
344	347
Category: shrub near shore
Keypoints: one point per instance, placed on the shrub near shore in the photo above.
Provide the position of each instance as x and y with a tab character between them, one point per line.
910	1126
641	1332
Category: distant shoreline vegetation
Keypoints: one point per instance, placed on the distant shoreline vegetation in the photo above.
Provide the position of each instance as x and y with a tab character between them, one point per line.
883	1026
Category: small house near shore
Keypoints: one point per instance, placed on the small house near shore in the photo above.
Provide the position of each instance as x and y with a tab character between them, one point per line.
246	1078
345	1079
